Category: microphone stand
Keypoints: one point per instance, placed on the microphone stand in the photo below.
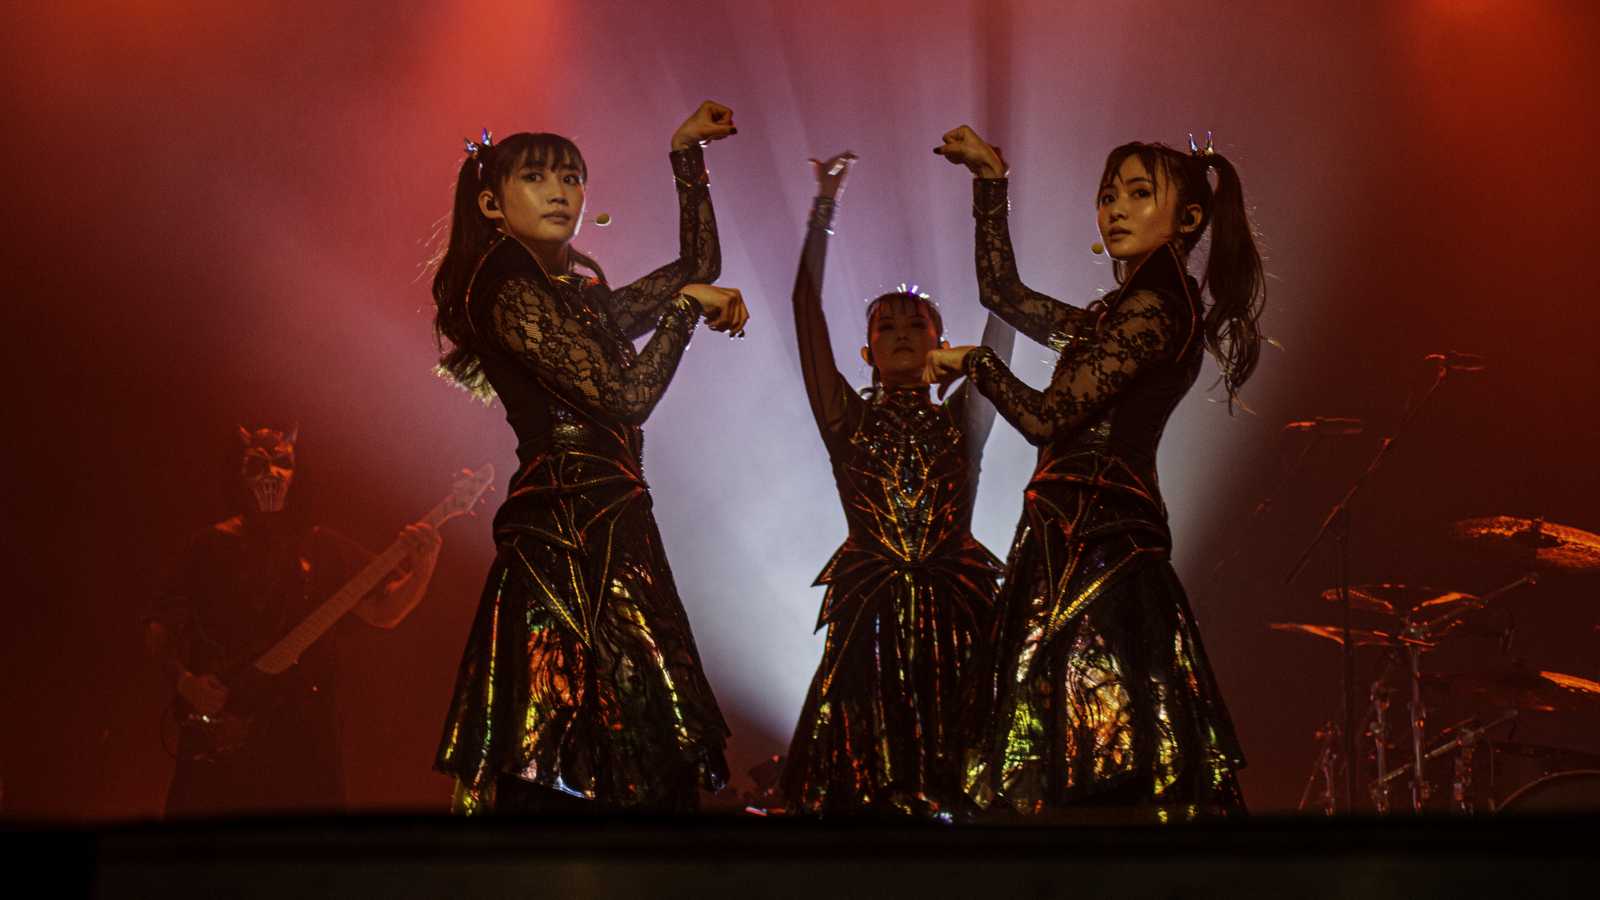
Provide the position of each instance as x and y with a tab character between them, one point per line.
1337	524
1264	506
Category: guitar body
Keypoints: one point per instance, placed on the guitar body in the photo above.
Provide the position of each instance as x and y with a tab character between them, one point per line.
257	703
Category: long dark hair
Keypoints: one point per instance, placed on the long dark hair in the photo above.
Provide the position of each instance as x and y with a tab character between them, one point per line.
472	234
1233	274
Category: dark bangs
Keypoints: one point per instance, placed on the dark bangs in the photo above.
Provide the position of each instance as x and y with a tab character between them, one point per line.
542	149
915	298
1156	158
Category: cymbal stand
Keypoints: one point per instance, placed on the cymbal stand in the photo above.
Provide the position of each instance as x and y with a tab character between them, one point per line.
1327	761
1337	524
1380	742
1419	723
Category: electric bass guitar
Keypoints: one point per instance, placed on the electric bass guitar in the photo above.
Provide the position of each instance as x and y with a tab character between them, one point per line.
257	686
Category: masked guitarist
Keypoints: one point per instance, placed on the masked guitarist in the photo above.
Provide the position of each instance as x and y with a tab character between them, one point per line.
240	586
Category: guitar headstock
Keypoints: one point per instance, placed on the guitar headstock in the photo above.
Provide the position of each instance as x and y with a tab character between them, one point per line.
466	492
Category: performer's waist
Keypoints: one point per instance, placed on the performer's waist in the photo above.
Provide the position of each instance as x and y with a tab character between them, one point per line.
956	549
1110	492
620	443
1102	466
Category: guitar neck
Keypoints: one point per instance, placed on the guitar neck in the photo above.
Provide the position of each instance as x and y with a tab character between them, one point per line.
286	652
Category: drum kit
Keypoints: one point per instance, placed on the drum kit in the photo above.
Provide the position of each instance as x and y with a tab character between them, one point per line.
1473	756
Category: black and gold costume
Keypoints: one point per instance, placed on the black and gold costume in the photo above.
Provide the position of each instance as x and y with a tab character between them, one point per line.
580	674
1098	690
908	593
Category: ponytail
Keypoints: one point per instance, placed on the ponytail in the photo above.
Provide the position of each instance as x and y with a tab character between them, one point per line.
1233	274
470	237
1235	280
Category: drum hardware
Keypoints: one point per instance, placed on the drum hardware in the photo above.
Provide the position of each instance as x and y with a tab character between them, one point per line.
1363	637
1337	525
1380	742
1466	738
1564	792
1325	767
1431	616
1521	687
1398	600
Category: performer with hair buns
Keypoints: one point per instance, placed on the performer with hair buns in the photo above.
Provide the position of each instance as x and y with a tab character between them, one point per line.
580	688
910	592
1097	690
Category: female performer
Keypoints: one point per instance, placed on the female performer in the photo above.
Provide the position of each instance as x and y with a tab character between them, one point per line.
1098	691
580	680
910	591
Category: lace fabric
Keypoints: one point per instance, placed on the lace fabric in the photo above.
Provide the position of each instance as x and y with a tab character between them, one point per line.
576	354
1135	333
635	307
1042	318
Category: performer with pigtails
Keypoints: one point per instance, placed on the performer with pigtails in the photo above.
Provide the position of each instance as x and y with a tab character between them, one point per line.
580	688
1096	690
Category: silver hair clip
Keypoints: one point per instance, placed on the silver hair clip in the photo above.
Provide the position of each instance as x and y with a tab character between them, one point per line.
476	148
1197	150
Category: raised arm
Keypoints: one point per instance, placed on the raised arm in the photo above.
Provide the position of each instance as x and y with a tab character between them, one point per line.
1000	289
827	390
1043	319
636	306
1138	332
530	323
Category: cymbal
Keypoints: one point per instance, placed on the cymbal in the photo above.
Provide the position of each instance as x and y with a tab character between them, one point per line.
1522	687
1364	637
1394	599
1534	542
1571	682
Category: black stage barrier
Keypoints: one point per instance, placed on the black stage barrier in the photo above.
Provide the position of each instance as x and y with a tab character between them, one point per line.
712	856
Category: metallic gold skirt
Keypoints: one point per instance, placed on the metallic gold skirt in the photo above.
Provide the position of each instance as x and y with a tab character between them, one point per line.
580	673
880	726
1097	691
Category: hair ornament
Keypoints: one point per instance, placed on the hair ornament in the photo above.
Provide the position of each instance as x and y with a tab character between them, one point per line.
1196	150
484	142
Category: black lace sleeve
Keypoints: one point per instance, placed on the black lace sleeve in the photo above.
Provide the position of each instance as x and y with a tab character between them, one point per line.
973	410
1000	289
827	390
1138	332
635	306
532	323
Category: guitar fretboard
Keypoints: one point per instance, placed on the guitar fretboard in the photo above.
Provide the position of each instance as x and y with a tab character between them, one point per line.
287	651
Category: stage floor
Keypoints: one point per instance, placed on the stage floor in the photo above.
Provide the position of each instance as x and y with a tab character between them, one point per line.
712	856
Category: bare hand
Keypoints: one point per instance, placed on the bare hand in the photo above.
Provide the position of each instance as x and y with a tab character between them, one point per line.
203	692
422	545
963	147
711	122
723	307
945	366
830	174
